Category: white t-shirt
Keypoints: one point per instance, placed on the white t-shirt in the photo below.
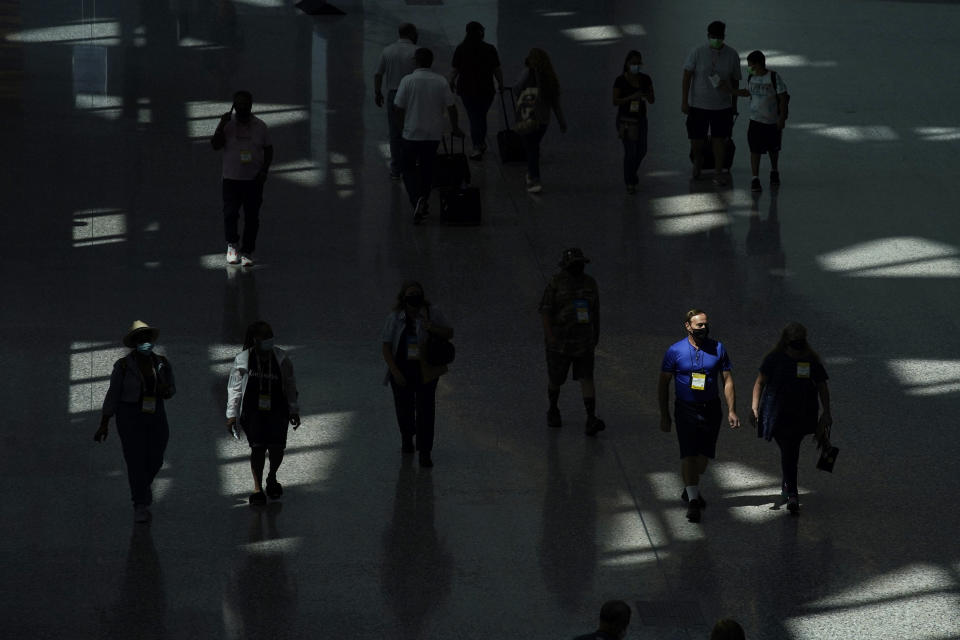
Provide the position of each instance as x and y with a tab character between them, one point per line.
705	62
396	61
424	96
763	98
243	148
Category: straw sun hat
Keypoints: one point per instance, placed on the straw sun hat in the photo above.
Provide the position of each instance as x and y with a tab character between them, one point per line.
138	330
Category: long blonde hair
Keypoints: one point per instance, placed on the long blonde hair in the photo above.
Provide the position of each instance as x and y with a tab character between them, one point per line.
547	83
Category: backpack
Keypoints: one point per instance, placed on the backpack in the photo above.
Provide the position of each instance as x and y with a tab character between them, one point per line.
786	96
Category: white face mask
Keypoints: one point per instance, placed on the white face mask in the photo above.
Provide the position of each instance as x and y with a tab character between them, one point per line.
266	344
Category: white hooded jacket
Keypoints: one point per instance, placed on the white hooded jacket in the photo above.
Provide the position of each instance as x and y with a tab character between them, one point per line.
237	384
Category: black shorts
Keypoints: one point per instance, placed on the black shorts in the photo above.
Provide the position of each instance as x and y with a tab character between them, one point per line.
718	121
763	138
558	364
698	425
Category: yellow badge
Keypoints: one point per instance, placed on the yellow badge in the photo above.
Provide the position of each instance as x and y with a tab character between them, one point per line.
634	106
413	349
583	311
149	404
698	381
246	157
803	369
263	402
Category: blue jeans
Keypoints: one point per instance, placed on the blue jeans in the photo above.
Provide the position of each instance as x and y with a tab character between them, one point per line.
395	128
531	142
633	154
477	108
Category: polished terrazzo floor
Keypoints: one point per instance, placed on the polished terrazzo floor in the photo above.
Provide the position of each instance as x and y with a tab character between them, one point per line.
110	197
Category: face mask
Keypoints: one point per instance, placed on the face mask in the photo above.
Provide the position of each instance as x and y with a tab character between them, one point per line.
415	301
700	334
575	268
266	344
145	347
635	68
797	345
716	43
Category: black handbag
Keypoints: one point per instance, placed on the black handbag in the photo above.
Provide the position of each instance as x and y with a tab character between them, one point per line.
440	351
828	453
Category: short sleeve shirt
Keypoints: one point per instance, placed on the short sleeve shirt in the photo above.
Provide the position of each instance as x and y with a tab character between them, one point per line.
635	109
763	97
243	148
684	360
396	61
475	63
573	305
790	400
425	96
704	62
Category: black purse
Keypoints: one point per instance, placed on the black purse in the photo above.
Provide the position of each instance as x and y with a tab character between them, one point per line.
828	453
440	351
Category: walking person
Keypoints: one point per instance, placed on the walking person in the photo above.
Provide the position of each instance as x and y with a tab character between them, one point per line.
262	398
476	66
698	365
711	78
768	116
410	328
785	405
539	94
396	61
247	155
570	313
140	383
421	100
632	91
614	620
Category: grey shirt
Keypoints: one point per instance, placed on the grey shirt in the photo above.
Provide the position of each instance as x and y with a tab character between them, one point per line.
704	62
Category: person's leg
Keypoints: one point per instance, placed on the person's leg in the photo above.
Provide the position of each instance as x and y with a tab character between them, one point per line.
403	404
258	458
789	461
231	210
721	128
484	109
252	199
411	177
157	435
133	442
697	133
630	161
477	116
531	142
276	459
427	155
775	161
426	401
642	142
719	153
395	129
558	365
755	164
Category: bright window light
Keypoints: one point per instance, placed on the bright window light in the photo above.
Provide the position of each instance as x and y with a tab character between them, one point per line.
101	33
867	133
688	225
106	107
938	134
304	172
267	4
90	367
602	34
926	377
99	226
687	204
899	257
202	116
735	476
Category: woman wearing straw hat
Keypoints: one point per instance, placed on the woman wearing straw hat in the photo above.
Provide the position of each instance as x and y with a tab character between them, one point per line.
262	395
139	384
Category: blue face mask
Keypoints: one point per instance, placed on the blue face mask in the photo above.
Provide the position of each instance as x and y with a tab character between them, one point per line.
635	68
266	344
145	347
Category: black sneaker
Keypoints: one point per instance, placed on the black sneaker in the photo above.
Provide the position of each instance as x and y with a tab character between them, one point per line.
407	445
693	511
425	460
257	498
274	489
594	425
755	185
686	499
774	178
553	418
793	504
421	211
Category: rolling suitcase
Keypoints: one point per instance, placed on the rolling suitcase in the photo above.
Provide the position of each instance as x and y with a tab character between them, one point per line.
509	142
451	169
460	206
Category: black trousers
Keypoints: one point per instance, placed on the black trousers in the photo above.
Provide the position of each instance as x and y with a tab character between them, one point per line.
789	444
416	405
143	438
422	153
249	195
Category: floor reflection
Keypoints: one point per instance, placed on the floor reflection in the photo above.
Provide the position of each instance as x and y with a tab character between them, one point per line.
141	608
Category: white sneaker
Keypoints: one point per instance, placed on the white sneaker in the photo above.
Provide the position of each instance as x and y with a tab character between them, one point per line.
246	261
232	257
536	187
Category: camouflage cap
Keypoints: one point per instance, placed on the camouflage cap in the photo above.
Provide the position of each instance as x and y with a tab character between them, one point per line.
571	255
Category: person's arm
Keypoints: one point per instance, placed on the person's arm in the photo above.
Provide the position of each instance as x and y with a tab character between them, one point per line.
454	74
498	76
219	139
547	328
392	365
596	322
685	91
234	394
267	161
663	399
649	95
826	420
558	111
734	93
377	89
758	386
110	401
781	110
290	390
168	386
731	397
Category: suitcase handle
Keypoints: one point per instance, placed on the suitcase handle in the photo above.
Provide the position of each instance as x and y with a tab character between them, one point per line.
503	103
451	151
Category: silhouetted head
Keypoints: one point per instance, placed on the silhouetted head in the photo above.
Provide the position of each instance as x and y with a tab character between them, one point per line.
757	62
411	298
243	104
632	62
716	32
475	31
409	31
423	58
727	629
259	335
615	618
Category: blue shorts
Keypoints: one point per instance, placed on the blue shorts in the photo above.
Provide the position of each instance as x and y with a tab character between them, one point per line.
698	426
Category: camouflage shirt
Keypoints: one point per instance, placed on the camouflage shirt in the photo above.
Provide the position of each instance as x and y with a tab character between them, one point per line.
573	306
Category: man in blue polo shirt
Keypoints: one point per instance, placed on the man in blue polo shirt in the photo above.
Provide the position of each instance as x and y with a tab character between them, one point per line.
698	365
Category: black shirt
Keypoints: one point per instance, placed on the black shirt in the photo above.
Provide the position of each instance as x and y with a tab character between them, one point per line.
475	63
626	110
